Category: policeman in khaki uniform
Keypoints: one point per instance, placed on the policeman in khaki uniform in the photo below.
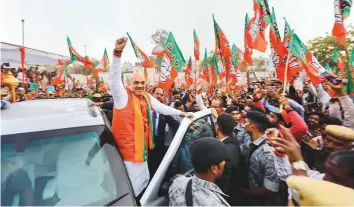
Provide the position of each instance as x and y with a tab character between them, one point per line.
339	138
311	192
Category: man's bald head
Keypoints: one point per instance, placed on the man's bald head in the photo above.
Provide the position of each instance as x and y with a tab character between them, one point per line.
138	83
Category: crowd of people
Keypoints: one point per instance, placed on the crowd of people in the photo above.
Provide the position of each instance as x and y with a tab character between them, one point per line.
271	148
265	138
40	84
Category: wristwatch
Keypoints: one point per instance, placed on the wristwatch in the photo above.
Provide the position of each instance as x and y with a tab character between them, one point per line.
300	165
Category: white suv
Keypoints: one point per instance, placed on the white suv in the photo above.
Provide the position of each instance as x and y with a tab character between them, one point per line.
61	152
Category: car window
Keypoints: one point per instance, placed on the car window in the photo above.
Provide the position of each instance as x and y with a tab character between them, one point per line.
181	163
61	167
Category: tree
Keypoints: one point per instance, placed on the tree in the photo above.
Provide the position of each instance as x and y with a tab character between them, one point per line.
159	36
323	47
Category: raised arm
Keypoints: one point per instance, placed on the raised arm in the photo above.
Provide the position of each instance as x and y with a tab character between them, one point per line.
118	91
162	108
200	102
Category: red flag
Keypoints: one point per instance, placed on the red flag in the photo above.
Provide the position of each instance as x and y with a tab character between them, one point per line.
339	30
22	51
64	61
167	72
59	78
340	63
188	74
256	27
248	42
222	43
231	76
313	69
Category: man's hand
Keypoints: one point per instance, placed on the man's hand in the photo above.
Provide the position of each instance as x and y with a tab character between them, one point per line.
200	86
93	104
120	43
286	143
188	115
214	113
283	100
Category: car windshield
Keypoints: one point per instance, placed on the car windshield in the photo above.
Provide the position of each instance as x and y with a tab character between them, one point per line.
59	167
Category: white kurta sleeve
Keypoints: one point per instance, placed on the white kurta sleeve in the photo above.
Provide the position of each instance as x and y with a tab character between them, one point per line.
118	91
162	108
200	102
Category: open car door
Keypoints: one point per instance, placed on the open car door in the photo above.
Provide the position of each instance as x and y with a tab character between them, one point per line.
177	159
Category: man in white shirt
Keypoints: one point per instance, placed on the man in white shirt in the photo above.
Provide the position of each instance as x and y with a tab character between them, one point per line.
132	120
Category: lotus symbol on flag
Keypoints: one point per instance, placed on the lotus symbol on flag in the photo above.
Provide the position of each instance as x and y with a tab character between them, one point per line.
316	67
287	43
166	68
141	57
275	60
221	67
158	50
293	62
196	48
255	27
241	57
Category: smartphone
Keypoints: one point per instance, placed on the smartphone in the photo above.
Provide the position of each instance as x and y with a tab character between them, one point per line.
331	78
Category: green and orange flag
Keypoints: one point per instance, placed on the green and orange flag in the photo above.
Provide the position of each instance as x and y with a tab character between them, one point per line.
196	45
189	74
214	70
205	73
142	57
295	65
313	68
75	56
172	61
257	26
104	63
338	59
341	12
238	57
278	50
221	42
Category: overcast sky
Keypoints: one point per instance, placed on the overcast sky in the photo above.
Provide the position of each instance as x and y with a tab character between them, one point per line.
98	23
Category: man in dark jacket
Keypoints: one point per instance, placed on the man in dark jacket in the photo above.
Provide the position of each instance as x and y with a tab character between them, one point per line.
228	183
160	122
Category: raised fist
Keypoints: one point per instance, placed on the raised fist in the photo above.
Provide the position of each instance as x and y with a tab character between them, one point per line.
120	43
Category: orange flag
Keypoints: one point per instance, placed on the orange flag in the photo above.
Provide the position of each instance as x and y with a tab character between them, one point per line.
256	27
340	13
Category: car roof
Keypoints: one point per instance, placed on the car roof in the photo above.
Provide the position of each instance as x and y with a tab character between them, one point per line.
48	114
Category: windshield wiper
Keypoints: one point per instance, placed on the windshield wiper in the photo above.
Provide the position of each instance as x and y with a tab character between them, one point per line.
117	199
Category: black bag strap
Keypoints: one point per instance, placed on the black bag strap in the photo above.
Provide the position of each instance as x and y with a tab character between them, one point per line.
189	195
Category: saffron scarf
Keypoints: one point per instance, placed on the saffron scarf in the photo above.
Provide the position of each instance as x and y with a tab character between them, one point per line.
141	142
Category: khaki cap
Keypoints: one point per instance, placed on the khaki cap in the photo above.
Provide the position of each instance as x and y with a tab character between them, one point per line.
340	132
311	192
97	95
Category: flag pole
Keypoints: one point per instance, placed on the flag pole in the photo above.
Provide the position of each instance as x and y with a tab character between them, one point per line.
286	71
23	46
348	70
